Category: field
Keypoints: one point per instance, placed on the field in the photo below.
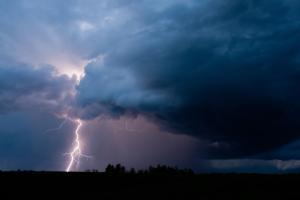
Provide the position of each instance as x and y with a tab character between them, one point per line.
94	185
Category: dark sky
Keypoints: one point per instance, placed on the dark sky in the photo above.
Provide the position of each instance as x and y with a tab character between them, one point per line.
211	85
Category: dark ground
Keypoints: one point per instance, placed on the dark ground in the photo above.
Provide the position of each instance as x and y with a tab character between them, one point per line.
105	186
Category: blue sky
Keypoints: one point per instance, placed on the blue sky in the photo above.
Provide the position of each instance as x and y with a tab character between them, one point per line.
211	85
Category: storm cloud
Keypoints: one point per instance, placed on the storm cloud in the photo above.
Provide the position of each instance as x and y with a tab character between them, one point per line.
223	71
25	87
221	76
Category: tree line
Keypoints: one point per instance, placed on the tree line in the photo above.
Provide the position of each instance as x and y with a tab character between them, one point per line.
152	170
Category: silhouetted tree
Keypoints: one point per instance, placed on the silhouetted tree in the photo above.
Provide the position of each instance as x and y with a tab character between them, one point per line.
120	169
158	170
132	171
109	169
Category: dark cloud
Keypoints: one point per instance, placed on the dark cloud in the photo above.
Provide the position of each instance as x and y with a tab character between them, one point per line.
224	71
25	87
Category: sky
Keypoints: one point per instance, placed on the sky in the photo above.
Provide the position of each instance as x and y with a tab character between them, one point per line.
211	85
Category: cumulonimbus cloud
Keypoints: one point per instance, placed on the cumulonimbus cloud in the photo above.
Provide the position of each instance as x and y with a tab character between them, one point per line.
225	71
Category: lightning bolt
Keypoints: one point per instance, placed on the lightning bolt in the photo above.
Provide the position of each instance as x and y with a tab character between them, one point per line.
129	129
126	127
58	128
76	152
